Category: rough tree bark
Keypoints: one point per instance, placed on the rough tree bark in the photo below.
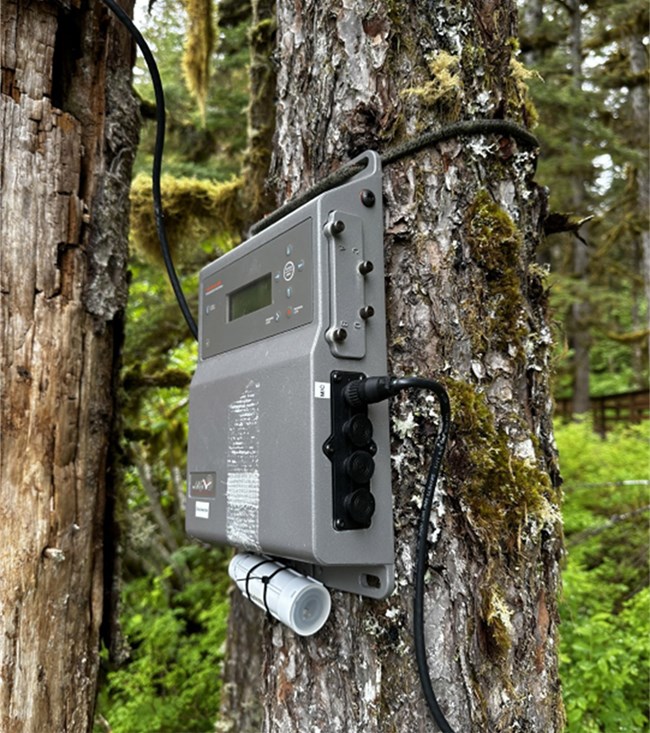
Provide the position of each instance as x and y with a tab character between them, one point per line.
68	128
579	330
639	98
466	305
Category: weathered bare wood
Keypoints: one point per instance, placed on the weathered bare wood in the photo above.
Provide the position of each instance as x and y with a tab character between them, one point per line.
466	305
67	133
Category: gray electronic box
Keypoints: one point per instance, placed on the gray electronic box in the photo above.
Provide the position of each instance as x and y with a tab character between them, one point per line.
278	462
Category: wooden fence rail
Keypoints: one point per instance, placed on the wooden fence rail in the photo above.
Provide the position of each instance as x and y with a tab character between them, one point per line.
626	407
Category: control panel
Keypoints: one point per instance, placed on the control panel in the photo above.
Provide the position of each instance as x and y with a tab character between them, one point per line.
258	295
278	462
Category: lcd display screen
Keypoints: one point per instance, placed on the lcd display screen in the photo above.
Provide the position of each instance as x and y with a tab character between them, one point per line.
257	294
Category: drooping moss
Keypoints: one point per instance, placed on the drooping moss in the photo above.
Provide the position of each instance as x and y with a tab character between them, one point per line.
194	209
198	48
495	244
499	491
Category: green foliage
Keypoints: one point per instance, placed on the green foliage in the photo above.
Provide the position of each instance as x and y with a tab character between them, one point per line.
176	636
613	365
608	655
605	639
594	158
208	140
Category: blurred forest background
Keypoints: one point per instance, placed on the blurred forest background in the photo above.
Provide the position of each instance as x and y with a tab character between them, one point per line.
587	67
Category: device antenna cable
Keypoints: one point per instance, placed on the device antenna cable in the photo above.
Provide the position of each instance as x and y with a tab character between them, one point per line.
157	160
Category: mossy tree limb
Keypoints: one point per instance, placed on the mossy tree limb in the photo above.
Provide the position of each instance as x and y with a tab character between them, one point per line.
193	209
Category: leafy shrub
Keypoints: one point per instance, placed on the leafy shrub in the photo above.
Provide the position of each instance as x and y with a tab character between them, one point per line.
605	640
172	682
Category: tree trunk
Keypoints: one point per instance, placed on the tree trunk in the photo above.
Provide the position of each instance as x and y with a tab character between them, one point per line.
639	97
466	305
581	311
68	127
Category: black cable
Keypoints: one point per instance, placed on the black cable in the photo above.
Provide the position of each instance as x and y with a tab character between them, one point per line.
422	535
463	128
377	389
157	161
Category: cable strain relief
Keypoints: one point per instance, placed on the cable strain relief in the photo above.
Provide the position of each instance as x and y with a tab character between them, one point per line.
367	391
352	393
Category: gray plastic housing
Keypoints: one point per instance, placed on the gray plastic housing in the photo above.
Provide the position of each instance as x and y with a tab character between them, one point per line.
278	316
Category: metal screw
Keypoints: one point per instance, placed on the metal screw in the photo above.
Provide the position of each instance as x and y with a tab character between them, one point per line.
339	524
340	334
368	197
338	226
367	312
366	267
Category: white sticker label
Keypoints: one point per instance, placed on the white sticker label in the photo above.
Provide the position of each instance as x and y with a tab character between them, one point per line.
243	479
322	390
202	509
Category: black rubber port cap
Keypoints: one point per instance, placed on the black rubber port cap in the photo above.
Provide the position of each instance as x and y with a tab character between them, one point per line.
360	506
360	466
358	430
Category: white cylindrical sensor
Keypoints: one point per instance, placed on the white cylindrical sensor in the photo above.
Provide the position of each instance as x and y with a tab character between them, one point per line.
301	603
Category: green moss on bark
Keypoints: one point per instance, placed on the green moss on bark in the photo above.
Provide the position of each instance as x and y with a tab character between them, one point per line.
499	491
495	246
444	90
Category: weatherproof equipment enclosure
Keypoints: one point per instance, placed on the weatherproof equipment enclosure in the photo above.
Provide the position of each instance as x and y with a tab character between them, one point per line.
278	463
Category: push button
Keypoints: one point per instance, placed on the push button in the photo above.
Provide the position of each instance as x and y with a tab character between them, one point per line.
289	271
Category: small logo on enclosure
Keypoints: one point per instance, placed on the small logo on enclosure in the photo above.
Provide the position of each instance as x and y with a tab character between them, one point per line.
203	484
